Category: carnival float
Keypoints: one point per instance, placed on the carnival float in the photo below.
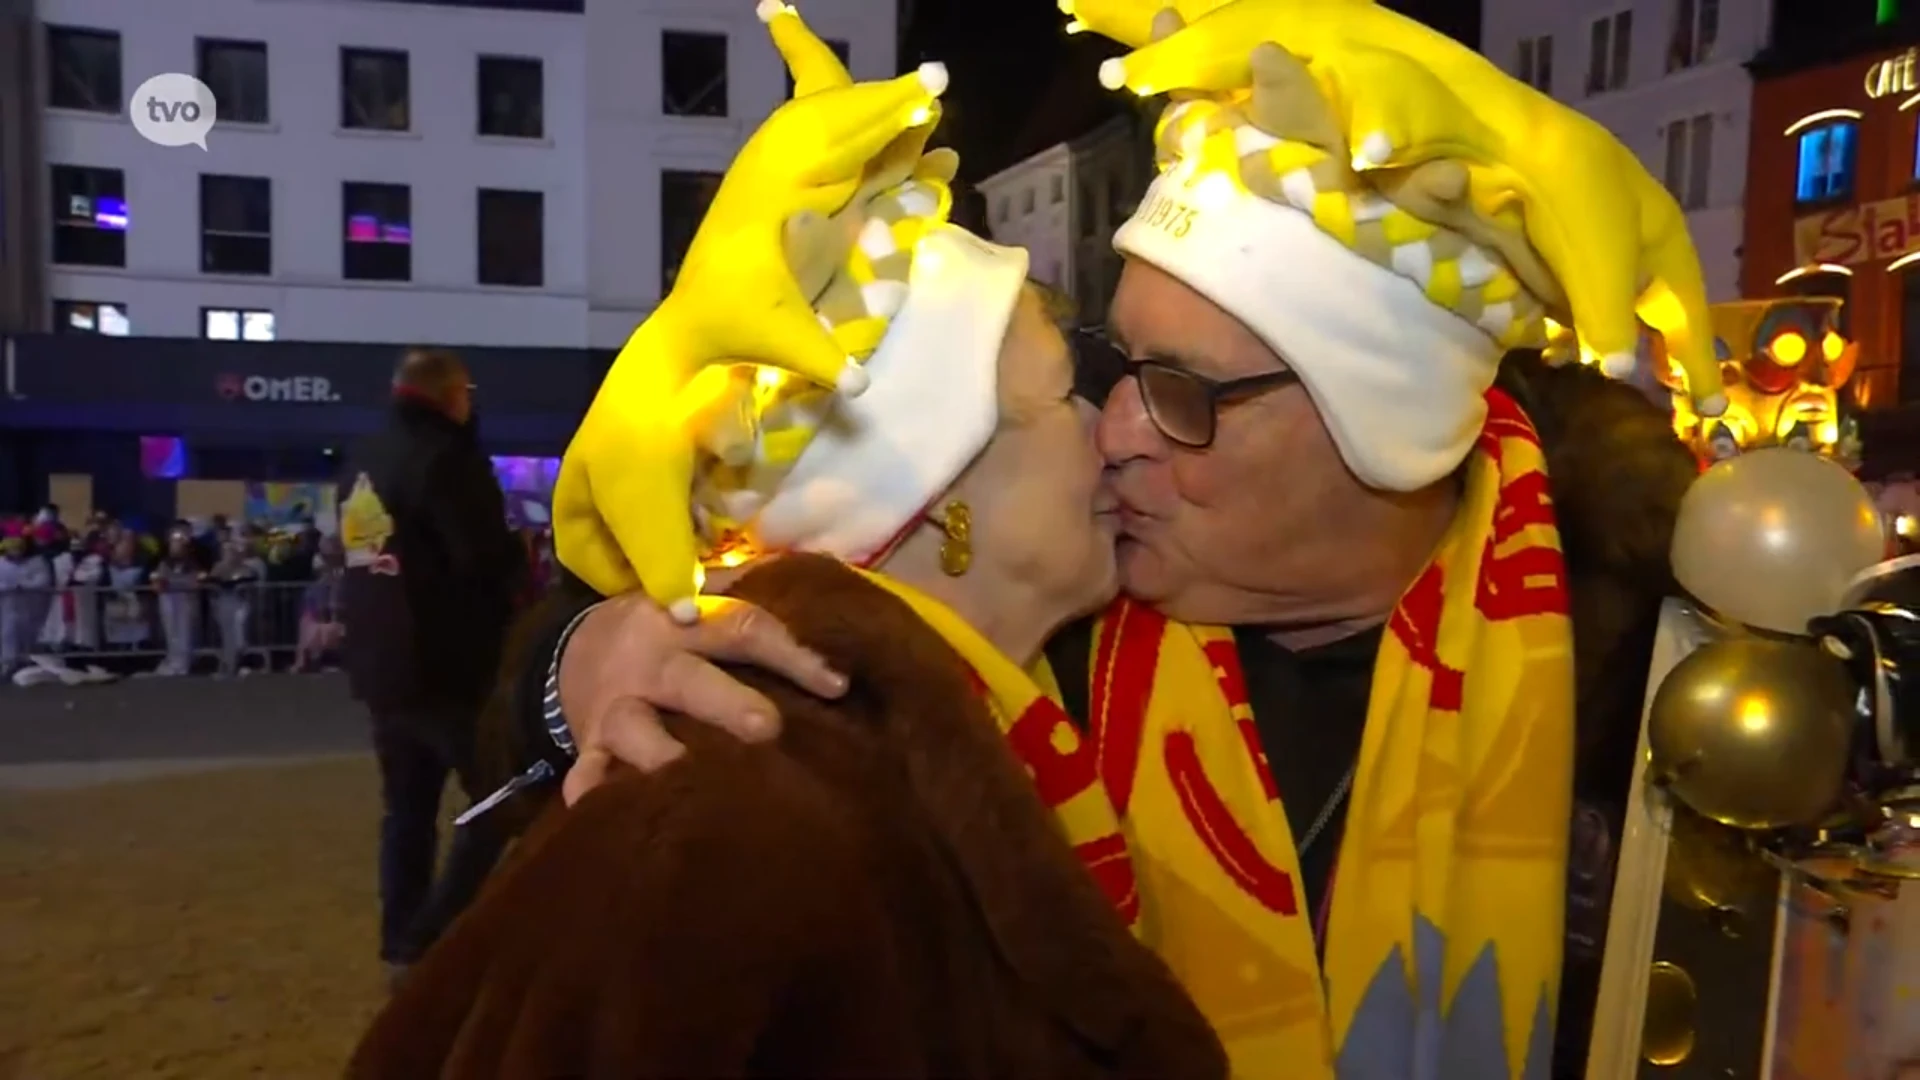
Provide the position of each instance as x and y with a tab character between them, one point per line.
1766	914
1785	363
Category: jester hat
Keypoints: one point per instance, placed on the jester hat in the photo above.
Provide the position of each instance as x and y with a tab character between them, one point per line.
1389	212
780	462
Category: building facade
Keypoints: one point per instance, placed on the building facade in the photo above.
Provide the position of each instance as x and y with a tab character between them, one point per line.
516	178
499	172
23	301
1831	200
1064	203
673	88
1668	78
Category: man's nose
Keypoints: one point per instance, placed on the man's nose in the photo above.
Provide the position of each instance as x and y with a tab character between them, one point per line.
1125	432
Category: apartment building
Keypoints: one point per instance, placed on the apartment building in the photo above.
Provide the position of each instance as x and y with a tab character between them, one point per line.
1668	78
499	172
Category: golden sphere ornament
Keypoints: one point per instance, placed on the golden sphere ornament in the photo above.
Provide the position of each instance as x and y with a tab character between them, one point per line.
1754	733
1771	538
1711	868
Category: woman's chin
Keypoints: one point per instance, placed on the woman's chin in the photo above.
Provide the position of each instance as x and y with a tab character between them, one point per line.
1108	577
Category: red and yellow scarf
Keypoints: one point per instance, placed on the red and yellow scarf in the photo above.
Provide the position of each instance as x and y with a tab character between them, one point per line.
1444	932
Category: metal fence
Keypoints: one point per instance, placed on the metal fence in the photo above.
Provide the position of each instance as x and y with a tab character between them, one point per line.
173	629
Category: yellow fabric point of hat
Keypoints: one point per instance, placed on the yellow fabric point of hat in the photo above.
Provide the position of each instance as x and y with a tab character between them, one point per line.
1611	234
621	510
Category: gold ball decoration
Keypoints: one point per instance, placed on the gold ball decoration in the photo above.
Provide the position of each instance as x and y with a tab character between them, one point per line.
1772	537
1754	733
1673	1006
1710	868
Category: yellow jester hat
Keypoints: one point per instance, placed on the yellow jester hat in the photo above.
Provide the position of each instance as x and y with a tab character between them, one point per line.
1422	157
622	516
777	463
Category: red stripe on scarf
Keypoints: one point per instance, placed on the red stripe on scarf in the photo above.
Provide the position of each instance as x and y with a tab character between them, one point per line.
1214	824
1122	683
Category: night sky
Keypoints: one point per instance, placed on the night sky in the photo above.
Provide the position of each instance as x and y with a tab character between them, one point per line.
1021	84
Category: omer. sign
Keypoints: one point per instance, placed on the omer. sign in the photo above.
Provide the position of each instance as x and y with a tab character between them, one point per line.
1892	76
304	388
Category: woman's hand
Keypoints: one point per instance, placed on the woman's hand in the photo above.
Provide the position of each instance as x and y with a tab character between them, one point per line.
628	659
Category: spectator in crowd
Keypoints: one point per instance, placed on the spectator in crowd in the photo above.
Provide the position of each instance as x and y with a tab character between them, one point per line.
123	614
54	544
25	584
431	574
89	575
177	580
321	631
233	580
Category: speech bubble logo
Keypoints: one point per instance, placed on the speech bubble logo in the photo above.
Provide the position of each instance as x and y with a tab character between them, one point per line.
173	110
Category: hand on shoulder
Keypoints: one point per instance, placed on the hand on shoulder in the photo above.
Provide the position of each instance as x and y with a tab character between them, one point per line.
628	661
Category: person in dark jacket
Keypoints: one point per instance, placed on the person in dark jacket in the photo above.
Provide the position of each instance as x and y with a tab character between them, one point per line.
431	575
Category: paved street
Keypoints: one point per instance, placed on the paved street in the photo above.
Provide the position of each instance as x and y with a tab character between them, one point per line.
154	721
186	879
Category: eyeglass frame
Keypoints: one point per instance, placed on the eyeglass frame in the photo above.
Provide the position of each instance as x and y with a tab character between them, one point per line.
1218	392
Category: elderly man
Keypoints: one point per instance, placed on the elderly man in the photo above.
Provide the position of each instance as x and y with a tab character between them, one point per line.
1390	581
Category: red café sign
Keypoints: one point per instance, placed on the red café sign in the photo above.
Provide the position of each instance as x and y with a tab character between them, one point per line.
1867	232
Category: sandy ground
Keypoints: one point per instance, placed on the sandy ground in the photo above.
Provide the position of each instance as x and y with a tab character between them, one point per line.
202	926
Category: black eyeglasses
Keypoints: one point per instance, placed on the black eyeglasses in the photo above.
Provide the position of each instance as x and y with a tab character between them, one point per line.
1184	406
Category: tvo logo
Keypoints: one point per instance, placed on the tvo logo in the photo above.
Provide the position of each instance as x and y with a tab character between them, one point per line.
173	110
309	389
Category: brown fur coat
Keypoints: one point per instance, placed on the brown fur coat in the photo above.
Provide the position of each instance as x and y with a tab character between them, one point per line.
882	895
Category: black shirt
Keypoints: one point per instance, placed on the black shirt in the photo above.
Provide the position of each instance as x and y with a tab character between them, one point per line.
1310	706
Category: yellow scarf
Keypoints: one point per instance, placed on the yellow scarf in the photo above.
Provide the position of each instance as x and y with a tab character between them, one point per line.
1444	934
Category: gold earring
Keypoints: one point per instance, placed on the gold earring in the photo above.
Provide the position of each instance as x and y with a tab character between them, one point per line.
956	550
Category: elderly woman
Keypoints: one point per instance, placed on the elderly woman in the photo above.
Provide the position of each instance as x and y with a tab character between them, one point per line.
884	891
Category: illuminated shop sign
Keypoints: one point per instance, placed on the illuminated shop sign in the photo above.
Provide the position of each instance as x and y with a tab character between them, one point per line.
1892	76
1864	233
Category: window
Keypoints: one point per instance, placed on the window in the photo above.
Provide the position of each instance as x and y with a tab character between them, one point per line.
693	74
512	251
1089	211
1119	207
236	72
90	317
1002	208
1690	160
1609	50
840	49
236	324
379	232
512	97
1058	192
89	216
1909	334
1696	27
684	198
236	225
373	90
1536	62
1826	162
83	69
1026	201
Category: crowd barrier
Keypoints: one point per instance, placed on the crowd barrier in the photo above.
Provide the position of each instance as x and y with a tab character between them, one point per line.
170	628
